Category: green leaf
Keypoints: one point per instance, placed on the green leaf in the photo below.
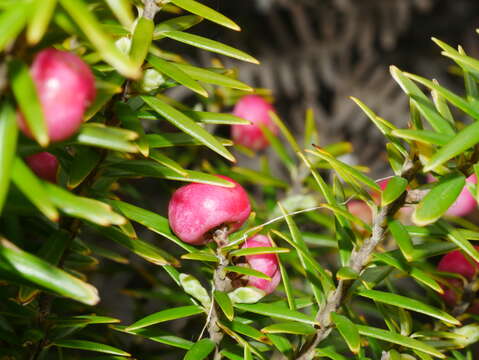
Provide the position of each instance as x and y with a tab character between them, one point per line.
147	251
400	234
346	273
216	118
141	41
285	131
178	23
439	199
212	77
258	250
200	255
171	70
159	336
246	295
89	346
27	98
33	189
348	331
82	207
247	271
200	350
409	304
458	238
19	265
295	328
424	136
343	168
278	146
206	12
465	139
107	137
150	220
167	140
454	99
277	312
423	104
91	27
223	300
122	10
8	144
193	287
166	315
330	353
141	168
210	45
187	125
38	24
394	189
257	177
12	22
398	339
85	160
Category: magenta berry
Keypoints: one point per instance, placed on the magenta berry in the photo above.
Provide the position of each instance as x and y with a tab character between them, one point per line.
266	263
255	109
45	165
66	87
197	209
456	262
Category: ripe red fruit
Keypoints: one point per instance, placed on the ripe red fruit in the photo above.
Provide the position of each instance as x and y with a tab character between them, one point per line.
195	210
65	86
456	262
255	109
45	165
465	202
266	263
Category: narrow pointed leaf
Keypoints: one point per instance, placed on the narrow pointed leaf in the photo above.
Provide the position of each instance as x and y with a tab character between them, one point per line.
178	23
171	70
166	315
210	45
465	139
399	340
394	189
208	13
12	22
107	137
247	271
278	312
89	346
200	350
187	125
33	189
400	234
141	41
213	77
8	144
223	300
216	118
43	11
27	98
258	250
296	328
348	331
19	265
424	136
84	162
423	104
409	304
439	199
166	140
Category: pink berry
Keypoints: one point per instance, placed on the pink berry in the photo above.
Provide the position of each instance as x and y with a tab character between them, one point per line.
255	109
45	165
66	87
456	262
266	263
197	209
465	202
361	210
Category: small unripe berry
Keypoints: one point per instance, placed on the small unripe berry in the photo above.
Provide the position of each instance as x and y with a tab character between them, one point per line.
456	262
266	263
196	210
65	87
255	109
44	164
465	202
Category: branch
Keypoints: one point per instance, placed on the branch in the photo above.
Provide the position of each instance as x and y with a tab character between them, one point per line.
358	261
